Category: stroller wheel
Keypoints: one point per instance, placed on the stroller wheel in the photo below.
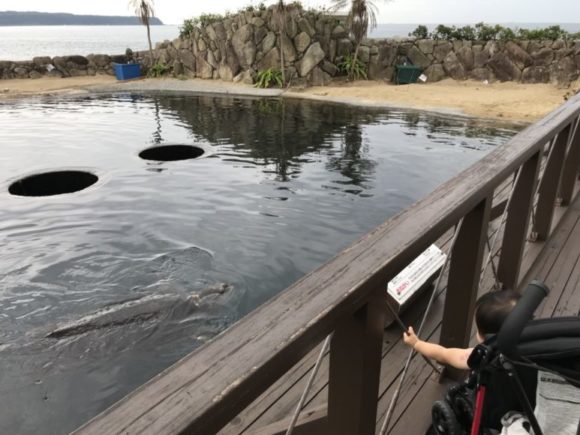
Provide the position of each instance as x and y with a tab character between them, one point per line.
444	420
464	410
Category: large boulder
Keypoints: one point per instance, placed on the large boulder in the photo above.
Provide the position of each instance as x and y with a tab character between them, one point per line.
329	68
211	33
387	54
319	78
257	22
305	26
244	46
435	73
270	60
344	46
453	67
465	56
246	77
364	54
426	46
313	56
517	55
339	32
288	49
268	42
536	74
481	75
564	72
60	65
418	58
225	71
543	57
43	61
187	59
203	69
178	68
220	31
503	68
259	35
302	42
441	50
480	57
211	59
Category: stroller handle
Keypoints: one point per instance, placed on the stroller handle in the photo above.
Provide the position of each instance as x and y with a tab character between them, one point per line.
509	334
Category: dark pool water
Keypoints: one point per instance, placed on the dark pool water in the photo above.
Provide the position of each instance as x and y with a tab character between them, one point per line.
283	187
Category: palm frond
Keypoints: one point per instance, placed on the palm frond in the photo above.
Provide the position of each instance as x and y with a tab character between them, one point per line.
143	10
338	5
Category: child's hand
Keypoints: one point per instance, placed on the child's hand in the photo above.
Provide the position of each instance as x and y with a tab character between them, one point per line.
410	338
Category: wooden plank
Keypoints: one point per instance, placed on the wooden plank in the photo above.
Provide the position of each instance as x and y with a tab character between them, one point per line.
571	167
463	283
355	365
311	422
549	184
516	226
283	389
557	270
416	417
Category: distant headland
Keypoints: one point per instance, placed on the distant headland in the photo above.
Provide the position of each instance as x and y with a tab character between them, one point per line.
12	18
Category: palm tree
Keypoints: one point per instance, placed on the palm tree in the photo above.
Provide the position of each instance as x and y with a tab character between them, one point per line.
280	17
362	17
144	11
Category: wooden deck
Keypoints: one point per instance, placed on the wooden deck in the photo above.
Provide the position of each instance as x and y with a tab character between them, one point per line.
553	262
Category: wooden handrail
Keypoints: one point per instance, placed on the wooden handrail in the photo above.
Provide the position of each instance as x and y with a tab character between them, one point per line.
210	386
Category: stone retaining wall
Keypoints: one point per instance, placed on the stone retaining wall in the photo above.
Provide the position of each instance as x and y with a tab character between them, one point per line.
60	66
238	47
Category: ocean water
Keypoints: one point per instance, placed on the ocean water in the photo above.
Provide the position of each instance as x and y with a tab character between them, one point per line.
24	43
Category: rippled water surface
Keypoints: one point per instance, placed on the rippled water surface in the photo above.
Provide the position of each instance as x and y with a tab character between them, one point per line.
285	186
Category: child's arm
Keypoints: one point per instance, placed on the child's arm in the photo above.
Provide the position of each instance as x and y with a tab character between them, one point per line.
451	356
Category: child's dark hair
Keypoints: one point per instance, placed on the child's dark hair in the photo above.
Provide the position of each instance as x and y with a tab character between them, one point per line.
492	309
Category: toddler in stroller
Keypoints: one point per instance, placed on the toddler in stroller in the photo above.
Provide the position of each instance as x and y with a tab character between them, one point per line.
505	368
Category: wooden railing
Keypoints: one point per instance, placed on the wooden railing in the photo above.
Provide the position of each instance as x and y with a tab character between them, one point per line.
205	390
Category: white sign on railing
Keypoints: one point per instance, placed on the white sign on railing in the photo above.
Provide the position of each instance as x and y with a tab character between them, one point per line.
415	275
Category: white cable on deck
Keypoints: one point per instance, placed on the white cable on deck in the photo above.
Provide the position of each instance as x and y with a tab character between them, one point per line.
308	385
412	351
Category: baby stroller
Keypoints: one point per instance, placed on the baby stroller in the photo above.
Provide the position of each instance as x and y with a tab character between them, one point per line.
505	370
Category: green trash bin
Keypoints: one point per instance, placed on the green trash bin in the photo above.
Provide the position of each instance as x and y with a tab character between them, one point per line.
407	74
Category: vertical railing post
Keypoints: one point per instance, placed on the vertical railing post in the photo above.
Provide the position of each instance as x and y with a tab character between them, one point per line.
571	167
517	222
548	187
355	365
463	281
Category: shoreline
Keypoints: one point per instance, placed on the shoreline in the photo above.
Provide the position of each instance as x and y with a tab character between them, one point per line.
507	102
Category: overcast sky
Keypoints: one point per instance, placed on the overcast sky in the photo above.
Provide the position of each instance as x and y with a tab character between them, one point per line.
396	11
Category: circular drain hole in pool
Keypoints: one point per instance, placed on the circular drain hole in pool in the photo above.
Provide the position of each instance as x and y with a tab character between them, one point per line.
53	183
170	153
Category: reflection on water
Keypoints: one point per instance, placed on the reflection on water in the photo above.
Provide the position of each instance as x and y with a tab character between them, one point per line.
286	185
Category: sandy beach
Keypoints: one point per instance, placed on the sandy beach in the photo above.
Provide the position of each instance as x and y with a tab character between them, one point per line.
507	101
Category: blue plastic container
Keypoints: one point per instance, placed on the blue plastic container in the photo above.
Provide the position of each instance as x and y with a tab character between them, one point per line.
126	71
